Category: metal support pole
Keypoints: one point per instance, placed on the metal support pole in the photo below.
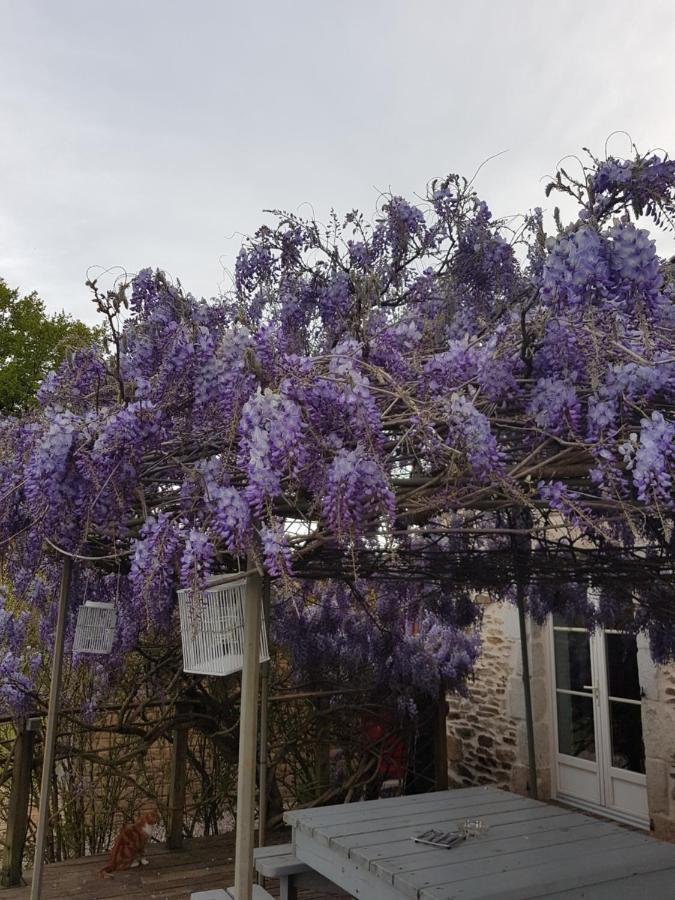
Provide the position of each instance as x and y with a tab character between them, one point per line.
248	727
50	733
441	743
264	711
527	688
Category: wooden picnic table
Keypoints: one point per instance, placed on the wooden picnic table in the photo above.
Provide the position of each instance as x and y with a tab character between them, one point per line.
530	850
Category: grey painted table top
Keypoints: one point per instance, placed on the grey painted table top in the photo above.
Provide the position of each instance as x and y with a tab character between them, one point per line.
531	850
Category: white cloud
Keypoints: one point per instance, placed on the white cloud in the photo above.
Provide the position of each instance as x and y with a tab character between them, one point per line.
152	133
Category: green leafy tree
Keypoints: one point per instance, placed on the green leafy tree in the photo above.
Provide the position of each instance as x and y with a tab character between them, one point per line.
31	343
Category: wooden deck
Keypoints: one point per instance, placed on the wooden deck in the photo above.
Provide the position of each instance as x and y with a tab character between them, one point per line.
204	863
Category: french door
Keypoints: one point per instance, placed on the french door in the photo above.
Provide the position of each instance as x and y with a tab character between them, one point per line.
600	757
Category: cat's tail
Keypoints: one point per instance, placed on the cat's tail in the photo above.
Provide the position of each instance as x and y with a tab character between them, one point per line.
106	871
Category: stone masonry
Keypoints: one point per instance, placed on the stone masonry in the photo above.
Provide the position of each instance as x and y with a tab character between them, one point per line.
482	732
658	724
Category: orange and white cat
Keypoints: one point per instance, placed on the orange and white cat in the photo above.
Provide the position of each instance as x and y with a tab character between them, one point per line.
129	847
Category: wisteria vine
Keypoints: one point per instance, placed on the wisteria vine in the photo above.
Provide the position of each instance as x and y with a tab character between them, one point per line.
365	384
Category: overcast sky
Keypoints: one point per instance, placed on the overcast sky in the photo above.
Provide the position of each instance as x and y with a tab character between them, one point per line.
151	132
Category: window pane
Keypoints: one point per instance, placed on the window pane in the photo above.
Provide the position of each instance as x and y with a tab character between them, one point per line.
572	660
576	726
628	750
622	667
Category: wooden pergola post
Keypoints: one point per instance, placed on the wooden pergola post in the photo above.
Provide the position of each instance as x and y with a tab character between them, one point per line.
248	728
178	779
51	730
19	799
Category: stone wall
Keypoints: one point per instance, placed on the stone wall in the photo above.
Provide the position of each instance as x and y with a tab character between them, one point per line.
658	725
482	735
487	737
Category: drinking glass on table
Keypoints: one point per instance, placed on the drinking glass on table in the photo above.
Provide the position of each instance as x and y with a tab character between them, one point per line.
471	828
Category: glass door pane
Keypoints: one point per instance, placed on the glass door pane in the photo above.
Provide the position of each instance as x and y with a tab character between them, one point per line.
623	680
572	660
574	693
624	695
576	726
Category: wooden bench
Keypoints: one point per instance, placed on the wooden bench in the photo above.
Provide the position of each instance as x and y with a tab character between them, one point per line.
280	862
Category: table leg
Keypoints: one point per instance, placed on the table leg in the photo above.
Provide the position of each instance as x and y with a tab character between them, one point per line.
287	888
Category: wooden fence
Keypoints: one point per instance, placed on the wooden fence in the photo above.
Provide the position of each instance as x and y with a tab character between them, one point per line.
25	761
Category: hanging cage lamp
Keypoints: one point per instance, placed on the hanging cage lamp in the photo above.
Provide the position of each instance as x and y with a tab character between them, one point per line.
212	629
95	627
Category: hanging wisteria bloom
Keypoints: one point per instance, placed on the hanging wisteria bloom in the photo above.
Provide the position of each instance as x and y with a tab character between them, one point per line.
356	494
650	456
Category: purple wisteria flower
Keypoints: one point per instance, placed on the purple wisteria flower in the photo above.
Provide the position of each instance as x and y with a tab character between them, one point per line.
470	433
650	457
276	552
556	407
153	570
576	268
356	493
197	560
272	444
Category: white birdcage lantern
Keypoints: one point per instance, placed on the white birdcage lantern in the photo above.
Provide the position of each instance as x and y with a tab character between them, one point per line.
95	627
212	629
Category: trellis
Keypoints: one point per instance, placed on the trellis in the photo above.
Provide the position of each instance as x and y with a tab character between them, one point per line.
449	526
518	565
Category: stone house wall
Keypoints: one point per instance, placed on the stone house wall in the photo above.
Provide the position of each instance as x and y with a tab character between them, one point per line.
658	724
487	737
482	733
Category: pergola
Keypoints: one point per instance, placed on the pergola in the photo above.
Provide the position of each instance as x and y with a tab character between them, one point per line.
523	560
420	405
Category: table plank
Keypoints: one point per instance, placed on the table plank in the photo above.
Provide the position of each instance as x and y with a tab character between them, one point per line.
356	880
502	838
343	812
407	857
452	872
543	880
651	885
344	844
416	817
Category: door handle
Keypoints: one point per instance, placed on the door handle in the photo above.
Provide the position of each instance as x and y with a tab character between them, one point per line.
593	690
